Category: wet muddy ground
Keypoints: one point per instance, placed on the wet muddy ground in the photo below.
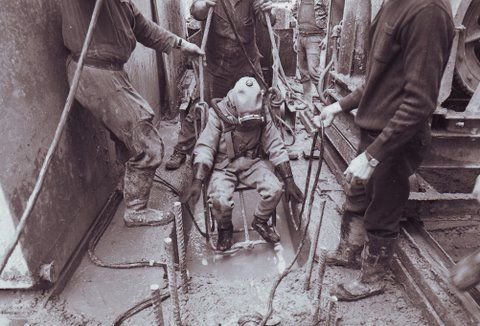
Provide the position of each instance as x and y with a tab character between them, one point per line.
96	296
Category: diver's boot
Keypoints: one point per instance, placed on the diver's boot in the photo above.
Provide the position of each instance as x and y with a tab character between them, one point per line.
176	160
266	231
225	236
138	184
376	257
352	240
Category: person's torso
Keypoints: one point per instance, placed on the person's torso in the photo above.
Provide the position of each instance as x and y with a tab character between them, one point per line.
113	38
385	78
307	17
223	47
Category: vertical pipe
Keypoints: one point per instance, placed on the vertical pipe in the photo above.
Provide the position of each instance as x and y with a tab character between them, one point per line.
172	281
311	256
332	314
244	215
362	23
157	304
182	255
319	285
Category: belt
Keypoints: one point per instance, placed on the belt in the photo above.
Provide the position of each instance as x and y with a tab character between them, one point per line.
310	33
99	63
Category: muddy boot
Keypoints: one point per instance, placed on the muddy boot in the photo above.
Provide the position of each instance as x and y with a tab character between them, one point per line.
225	236
466	274
376	257
138	184
176	160
267	232
352	239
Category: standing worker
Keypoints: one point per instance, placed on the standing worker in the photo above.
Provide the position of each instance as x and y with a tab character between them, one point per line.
410	45
105	90
311	21
237	132
226	59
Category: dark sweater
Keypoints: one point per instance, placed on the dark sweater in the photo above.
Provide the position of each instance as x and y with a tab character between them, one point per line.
410	47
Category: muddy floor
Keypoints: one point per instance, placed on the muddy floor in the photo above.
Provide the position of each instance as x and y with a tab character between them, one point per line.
97	296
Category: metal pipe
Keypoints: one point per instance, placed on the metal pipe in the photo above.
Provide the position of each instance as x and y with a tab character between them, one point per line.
172	281
182	254
319	286
332	311
157	304
311	254
56	139
244	215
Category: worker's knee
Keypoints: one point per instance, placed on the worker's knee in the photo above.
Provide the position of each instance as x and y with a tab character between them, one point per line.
272	189
147	145
221	204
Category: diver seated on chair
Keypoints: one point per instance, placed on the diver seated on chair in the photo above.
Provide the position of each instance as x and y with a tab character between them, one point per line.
238	130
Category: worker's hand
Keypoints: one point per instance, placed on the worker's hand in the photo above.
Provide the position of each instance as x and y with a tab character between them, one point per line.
476	189
327	115
262	5
191	49
292	192
193	192
210	3
359	171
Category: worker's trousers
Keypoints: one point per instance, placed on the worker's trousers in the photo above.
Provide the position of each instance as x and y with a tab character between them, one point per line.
308	57
110	97
254	173
383	198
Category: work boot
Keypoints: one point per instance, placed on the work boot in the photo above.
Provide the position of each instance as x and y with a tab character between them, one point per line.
352	239
267	232
175	160
138	184
225	236
376	258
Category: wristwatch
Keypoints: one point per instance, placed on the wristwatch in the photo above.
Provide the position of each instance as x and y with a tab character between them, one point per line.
178	43
373	162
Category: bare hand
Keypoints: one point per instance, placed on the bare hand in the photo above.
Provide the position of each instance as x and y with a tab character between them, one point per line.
263	5
327	115
359	171
191	49
476	189
210	3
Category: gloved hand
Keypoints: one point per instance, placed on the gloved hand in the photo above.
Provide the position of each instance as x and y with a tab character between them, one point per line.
292	192
193	192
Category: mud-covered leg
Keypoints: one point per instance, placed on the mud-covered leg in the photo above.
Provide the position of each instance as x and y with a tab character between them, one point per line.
270	189
220	193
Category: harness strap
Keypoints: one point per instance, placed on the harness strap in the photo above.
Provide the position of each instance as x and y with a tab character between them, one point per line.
230	146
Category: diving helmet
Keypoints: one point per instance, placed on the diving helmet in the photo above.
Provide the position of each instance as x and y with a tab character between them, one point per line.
247	99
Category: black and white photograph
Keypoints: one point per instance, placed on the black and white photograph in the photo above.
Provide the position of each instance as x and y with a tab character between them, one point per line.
239	162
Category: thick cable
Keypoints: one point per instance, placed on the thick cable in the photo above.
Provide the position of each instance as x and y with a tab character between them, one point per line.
56	139
304	236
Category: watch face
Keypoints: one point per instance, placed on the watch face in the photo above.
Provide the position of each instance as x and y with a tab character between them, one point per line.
373	162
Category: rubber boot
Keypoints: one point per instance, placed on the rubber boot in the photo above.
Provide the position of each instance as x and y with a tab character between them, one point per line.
138	184
176	160
225	235
352	240
267	232
376	258
466	274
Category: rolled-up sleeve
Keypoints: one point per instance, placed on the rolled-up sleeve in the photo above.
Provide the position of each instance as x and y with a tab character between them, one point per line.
273	144
207	144
152	35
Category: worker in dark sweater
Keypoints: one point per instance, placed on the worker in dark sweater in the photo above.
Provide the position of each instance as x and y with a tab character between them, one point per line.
409	49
